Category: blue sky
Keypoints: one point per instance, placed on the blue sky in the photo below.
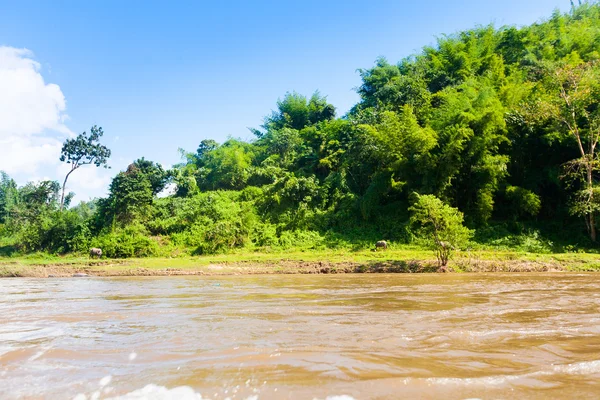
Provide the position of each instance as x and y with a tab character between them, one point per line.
162	75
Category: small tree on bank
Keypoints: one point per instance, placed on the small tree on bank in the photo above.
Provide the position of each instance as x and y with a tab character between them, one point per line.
441	224
83	150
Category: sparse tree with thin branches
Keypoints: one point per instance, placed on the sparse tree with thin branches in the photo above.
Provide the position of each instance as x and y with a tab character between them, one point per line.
83	150
571	100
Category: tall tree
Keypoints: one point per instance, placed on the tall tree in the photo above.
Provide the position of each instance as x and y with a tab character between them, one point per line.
83	150
131	195
132	191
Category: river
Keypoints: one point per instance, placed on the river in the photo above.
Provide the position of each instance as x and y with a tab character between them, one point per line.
452	336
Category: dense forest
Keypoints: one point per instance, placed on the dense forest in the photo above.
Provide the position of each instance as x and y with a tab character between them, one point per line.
499	123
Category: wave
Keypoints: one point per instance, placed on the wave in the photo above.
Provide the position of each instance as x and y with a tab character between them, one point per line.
579	368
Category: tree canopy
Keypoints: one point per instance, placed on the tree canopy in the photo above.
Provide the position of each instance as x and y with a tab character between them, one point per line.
83	150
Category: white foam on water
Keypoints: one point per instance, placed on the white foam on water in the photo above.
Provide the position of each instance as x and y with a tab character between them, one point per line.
580	368
519	332
155	392
105	381
486	381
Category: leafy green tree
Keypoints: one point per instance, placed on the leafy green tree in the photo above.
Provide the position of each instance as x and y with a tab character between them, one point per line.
154	173
38	198
296	112
184	177
469	165
83	150
205	147
130	195
441	224
283	146
226	167
391	87
404	147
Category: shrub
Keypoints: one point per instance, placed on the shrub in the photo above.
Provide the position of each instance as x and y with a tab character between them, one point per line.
441	224
523	201
265	235
57	232
132	241
301	239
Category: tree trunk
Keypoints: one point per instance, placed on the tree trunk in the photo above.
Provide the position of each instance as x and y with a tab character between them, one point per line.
591	218
62	197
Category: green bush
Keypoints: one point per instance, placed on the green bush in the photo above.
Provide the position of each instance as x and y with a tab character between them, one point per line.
218	224
301	240
531	242
440	225
57	232
265	235
133	241
523	201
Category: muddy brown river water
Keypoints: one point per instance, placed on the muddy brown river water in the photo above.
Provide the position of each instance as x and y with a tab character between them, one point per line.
456	336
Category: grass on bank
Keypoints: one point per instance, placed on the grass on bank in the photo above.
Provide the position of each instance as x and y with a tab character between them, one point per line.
410	258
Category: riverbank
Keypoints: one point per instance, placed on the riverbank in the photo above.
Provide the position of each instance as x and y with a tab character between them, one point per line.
299	262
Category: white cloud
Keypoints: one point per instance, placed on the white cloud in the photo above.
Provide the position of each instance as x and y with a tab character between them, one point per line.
87	181
25	155
32	115
32	127
28	105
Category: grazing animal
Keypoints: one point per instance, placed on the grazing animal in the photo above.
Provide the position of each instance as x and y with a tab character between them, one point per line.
381	244
95	252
